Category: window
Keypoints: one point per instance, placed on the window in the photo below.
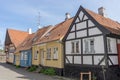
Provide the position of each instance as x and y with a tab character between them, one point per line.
72	47
36	55
21	55
89	46
109	45
49	53
77	47
25	56
86	46
55	53
92	46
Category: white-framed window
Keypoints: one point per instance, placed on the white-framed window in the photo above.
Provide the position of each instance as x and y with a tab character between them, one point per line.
89	46
22	56
25	56
109	45
49	53
55	53
36	55
75	47
86	46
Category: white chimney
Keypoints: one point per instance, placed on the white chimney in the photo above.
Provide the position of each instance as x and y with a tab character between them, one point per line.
67	16
30	31
101	11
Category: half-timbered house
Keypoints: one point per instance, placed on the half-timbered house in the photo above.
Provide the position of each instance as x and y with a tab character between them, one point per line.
92	43
13	39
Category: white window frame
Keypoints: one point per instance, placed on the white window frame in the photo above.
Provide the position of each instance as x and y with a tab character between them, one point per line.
74	47
36	54
55	53
49	53
109	45
22	56
25	56
89	47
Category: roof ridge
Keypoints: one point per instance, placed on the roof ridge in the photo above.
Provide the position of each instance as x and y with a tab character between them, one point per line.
102	16
16	30
108	23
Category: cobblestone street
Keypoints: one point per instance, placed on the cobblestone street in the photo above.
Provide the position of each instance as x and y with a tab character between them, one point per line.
10	72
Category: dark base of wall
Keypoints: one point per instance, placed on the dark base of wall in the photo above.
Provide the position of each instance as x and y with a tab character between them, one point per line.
111	73
59	71
9	63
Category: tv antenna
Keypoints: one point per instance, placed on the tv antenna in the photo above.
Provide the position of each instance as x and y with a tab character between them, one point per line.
38	24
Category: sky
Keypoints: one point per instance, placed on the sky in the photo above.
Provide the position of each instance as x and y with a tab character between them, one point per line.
23	14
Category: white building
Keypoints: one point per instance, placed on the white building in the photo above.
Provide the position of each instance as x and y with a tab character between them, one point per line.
92	41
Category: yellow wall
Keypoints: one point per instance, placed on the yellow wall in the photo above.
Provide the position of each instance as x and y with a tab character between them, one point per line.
57	63
35	61
17	59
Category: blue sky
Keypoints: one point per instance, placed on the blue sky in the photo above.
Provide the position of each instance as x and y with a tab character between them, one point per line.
23	14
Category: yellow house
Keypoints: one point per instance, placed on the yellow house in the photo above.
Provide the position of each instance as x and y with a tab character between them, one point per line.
48	51
35	48
17	59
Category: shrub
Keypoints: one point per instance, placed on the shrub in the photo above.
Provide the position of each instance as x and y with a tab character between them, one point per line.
94	77
42	70
32	68
49	71
17	66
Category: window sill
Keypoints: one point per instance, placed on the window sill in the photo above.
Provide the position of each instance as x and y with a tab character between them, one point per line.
48	59
55	59
75	53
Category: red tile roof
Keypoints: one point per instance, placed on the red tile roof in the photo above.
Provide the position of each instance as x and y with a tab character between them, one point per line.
57	33
26	44
40	33
111	25
31	39
17	36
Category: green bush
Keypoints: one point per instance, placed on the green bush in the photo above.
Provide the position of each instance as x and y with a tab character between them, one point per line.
42	70
49	71
94	77
17	66
32	68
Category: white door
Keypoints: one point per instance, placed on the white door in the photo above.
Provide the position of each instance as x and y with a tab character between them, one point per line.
42	56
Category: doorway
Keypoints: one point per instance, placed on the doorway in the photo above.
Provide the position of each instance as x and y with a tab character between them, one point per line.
42	56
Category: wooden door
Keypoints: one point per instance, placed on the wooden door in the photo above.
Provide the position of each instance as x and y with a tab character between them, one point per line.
42	56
